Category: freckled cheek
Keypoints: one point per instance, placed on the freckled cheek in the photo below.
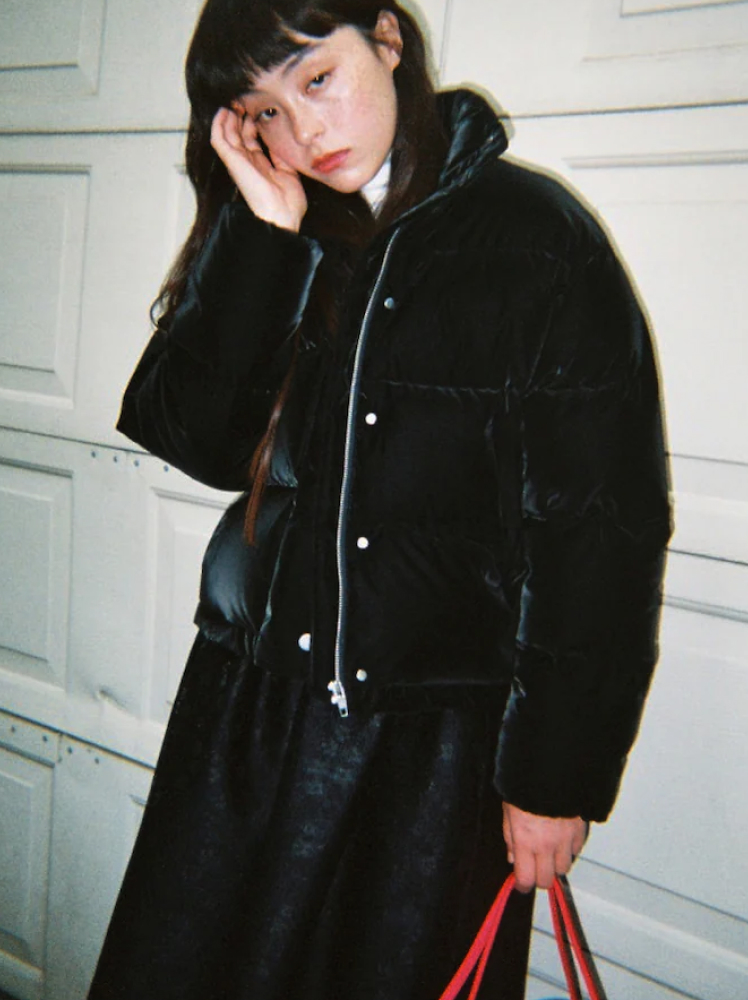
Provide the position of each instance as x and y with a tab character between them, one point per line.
334	117
281	144
353	122
380	108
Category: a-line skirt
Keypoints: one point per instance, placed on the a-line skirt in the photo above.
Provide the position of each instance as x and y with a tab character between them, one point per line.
288	854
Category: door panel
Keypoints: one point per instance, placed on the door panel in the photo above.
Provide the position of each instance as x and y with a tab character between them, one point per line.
104	547
543	58
51	48
35	539
87	869
27	759
91	225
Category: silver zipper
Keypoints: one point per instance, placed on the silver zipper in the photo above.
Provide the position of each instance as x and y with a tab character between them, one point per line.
339	696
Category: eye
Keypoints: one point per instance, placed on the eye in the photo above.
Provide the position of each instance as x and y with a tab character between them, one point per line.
318	80
265	116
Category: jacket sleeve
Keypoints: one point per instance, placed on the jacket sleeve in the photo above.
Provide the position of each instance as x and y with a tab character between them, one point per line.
202	392
595	524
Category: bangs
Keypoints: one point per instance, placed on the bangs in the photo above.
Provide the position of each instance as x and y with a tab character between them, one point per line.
237	41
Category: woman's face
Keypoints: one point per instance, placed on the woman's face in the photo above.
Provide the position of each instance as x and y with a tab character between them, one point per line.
330	111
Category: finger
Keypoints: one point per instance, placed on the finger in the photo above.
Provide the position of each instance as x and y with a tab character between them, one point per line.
580	839
249	133
261	163
246	127
545	870
216	126
280	164
563	861
507	826
232	130
219	132
525	871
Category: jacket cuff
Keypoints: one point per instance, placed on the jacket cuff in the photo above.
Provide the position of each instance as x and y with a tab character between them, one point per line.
562	749
246	293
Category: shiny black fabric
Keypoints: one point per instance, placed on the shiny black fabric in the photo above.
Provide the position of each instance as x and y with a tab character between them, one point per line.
507	471
285	855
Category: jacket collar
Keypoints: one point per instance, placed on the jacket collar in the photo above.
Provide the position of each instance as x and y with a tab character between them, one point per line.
475	136
474	132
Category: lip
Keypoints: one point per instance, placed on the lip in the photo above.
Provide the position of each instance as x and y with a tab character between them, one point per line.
330	161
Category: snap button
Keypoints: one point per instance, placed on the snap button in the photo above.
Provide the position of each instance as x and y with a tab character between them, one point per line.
362	542
389	302
361	675
371	419
305	641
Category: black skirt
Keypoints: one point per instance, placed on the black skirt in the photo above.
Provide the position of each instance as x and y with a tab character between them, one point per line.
288	854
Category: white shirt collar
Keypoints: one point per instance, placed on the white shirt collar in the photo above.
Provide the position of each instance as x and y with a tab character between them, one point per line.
375	191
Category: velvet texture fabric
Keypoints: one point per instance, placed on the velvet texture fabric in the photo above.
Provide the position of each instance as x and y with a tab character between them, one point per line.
506	512
287	855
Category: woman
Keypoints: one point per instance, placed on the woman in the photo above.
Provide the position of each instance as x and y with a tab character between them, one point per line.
433	616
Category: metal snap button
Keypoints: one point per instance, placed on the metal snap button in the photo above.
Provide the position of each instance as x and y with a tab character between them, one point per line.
362	542
305	641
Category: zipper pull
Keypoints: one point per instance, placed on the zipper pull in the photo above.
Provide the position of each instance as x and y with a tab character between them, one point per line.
339	697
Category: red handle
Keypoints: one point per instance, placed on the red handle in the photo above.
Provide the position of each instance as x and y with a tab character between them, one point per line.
561	890
481	947
569	938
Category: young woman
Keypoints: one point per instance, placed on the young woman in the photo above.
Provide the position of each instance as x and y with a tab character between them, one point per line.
427	630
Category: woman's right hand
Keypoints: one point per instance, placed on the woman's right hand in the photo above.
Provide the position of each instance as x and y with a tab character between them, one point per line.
273	190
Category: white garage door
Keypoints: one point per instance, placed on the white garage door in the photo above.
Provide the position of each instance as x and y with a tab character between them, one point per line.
641	104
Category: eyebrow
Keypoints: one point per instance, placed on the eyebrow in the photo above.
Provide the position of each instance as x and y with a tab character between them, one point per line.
299	56
293	61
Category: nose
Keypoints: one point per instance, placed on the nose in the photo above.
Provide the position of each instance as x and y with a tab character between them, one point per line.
307	124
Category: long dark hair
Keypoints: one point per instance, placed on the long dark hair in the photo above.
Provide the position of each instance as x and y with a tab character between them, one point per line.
234	41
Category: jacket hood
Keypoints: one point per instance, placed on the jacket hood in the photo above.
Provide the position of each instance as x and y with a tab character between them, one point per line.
475	135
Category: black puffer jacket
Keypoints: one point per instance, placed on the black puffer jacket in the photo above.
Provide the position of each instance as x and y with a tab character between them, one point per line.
468	489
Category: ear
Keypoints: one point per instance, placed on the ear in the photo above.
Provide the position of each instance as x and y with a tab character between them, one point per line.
387	35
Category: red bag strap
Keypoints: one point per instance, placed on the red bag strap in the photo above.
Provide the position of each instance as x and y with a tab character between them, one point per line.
573	926
564	948
569	938
478	953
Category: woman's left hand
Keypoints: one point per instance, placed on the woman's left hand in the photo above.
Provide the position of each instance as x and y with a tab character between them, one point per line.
541	847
